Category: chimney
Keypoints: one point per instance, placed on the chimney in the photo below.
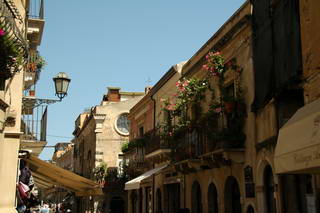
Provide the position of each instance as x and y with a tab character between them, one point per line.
147	89
113	94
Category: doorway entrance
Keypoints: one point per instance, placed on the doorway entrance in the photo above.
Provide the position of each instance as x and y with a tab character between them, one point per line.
117	205
172	197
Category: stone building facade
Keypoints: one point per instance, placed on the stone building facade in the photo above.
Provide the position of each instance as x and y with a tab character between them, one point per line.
99	135
63	156
145	135
274	170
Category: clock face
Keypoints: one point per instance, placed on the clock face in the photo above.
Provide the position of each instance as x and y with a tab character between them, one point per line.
122	124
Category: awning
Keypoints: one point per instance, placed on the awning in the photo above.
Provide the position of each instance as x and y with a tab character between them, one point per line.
48	176
135	183
298	146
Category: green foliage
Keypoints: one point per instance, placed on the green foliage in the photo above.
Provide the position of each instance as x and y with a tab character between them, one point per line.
125	147
10	55
135	143
100	172
191	92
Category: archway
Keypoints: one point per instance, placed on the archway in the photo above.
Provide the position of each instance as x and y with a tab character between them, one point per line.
250	209
117	205
212	199
196	198
232	196
269	189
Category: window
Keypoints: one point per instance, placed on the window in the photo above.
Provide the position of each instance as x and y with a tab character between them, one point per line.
122	124
141	131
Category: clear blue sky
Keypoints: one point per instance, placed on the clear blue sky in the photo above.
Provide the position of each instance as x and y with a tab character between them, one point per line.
118	43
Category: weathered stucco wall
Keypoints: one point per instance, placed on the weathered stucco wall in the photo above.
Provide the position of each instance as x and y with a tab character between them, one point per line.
310	40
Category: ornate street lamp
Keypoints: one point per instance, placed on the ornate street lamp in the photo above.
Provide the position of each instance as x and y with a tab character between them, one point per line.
61	82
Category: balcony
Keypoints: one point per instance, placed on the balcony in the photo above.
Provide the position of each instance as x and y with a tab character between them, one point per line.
35	23
157	149
33	126
35	64
204	148
136	163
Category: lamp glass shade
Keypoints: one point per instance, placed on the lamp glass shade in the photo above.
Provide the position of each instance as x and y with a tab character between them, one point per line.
61	82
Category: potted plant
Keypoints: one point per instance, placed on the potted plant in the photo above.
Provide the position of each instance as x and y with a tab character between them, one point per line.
31	93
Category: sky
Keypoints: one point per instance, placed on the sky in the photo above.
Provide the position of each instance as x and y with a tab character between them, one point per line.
119	43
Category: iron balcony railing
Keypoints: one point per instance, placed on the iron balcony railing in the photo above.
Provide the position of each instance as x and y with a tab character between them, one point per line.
36	9
12	24
9	17
155	142
34	122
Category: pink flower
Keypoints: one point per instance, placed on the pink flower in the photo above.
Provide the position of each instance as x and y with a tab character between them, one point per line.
181	88
162	100
2	32
218	110
217	53
171	107
205	67
185	83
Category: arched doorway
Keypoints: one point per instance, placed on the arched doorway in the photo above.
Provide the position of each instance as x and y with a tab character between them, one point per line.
117	205
250	209
212	199
269	189
232	196
196	198
158	201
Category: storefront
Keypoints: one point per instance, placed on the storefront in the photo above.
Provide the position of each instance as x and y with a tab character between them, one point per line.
297	159
298	145
48	176
141	191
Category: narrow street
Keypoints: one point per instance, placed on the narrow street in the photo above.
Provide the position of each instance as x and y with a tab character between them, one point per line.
160	107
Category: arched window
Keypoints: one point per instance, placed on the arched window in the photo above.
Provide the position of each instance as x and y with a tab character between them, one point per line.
232	196
158	201
269	189
196	198
212	199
